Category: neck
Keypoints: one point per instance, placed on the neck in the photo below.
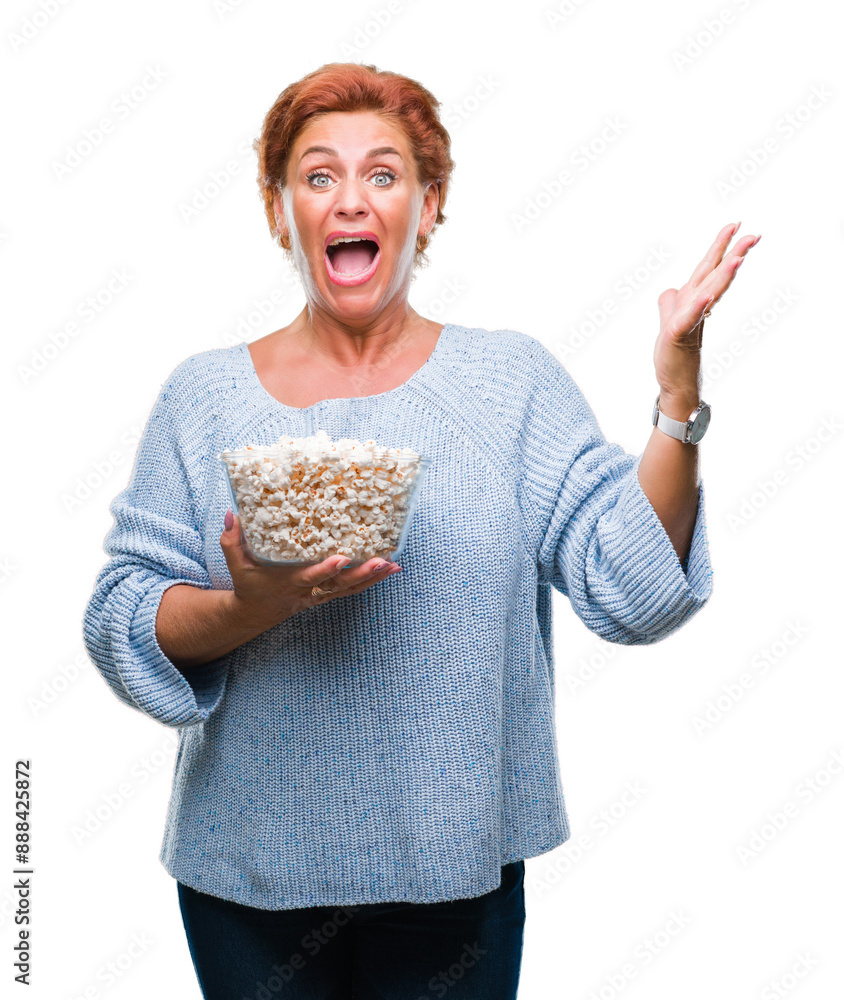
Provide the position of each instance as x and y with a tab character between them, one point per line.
352	342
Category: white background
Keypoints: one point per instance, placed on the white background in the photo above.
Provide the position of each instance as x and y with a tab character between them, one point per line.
522	87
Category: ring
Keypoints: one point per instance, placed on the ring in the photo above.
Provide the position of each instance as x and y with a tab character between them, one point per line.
319	592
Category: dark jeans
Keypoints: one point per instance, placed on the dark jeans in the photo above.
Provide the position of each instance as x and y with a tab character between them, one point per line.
462	949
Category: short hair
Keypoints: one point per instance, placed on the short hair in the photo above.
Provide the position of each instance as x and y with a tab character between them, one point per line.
402	102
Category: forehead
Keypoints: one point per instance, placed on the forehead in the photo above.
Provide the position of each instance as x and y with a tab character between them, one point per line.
351	133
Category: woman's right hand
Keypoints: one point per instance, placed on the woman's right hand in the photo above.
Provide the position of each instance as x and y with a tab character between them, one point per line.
267	595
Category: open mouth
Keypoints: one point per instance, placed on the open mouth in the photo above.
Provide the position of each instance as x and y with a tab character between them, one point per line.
352	263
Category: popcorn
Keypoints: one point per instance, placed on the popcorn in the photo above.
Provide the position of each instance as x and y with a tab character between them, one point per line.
304	499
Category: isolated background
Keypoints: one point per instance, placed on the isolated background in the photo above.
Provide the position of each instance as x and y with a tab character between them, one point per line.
736	828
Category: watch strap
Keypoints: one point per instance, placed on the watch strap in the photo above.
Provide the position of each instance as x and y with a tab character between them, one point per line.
676	428
690	431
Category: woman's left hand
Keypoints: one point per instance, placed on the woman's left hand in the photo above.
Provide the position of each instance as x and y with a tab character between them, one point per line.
678	347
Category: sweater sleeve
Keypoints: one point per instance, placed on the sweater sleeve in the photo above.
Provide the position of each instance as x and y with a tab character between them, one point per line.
597	538
153	544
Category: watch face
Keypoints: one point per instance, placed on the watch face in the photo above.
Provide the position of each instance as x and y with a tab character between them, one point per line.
701	422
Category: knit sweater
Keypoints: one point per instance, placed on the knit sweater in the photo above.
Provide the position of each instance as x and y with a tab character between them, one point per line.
397	744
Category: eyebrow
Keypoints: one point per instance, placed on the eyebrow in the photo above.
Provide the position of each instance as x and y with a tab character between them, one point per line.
328	151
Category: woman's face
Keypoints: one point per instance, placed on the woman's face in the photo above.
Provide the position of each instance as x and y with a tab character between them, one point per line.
361	180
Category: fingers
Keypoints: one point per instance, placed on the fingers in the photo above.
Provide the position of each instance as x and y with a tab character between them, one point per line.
722	277
370	581
714	254
331	567
320	573
331	577
366	576
732	261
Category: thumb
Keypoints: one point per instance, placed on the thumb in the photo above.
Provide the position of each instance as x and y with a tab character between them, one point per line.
230	541
665	304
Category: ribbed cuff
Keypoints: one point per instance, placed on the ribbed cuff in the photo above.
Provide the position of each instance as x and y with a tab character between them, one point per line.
662	594
155	684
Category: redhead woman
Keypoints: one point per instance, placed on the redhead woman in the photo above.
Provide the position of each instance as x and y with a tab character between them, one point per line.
367	751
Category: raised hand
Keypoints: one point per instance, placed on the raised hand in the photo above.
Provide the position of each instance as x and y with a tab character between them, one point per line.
677	354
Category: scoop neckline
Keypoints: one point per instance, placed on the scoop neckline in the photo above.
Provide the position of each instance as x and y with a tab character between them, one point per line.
417	376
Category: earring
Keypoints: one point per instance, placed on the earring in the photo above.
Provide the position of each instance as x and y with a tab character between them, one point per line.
423	236
282	236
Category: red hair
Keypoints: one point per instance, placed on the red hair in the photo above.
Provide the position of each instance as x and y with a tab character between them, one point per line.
402	102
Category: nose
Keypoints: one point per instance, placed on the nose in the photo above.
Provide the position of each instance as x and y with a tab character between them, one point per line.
351	199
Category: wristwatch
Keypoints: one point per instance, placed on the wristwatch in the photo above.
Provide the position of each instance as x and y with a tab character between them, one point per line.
688	431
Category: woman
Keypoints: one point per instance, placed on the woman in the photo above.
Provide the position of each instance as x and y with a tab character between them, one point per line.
364	763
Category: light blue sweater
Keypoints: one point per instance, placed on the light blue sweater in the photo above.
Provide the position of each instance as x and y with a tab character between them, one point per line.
397	744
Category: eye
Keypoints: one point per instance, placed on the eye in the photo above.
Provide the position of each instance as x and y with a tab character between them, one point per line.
388	174
384	173
317	173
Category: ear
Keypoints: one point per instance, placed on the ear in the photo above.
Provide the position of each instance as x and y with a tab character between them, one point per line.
431	204
278	207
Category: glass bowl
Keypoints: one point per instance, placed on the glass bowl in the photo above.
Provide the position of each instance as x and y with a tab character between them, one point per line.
360	508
